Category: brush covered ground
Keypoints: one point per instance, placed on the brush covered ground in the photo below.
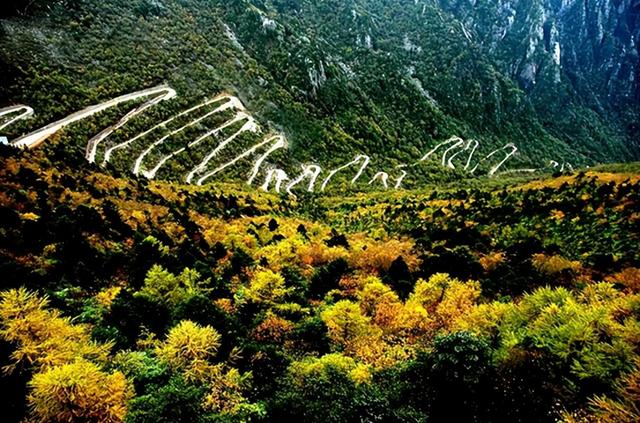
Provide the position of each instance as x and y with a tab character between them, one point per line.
497	300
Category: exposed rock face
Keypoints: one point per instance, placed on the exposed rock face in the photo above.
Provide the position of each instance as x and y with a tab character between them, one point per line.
592	45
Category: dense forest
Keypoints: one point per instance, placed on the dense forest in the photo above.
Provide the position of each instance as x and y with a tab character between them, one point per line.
496	301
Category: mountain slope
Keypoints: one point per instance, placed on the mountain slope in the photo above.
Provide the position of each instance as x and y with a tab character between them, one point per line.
389	79
584	55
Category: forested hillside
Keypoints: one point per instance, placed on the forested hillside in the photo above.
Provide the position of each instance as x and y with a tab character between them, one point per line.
388	79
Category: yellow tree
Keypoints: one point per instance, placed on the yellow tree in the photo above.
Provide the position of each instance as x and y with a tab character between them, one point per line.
346	323
79	391
359	337
445	297
374	294
189	347
160	284
319	367
266	287
67	386
225	392
43	338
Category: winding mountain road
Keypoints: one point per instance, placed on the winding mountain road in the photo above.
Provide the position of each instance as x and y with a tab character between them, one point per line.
308	171
360	158
280	177
36	138
109	151
277	142
453	147
232	102
26	112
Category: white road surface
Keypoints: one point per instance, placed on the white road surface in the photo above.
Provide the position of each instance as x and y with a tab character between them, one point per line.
36	138
25	112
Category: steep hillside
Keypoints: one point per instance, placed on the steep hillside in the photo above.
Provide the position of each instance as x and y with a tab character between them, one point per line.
578	61
392	80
